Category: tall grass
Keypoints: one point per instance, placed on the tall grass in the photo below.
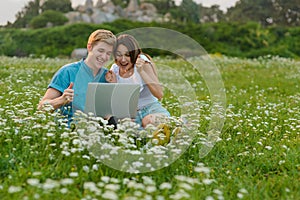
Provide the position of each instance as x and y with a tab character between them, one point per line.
256	157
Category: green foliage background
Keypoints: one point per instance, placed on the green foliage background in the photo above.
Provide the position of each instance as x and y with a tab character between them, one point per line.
232	39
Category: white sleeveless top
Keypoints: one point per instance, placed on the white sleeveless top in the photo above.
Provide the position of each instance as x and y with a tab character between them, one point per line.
146	96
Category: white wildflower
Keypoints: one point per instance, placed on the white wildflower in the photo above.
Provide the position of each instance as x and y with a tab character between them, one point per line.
209	198
148	181
76	142
26	137
33	181
208	181
66	153
260	143
180	178
86	157
36	173
138	193
205	170
281	162
14	189
218	192
243	190
50	134
105	179
63	190
185	186
90	186
268	147
86	168
165	186
181	194
73	174
133	184
113	187
150	189
110	195
64	135
137	164
50	184
66	181
95	167
240	195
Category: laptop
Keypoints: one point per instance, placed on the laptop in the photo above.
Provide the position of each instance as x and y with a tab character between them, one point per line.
112	99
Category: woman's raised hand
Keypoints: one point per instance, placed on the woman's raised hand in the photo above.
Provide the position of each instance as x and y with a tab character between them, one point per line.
110	77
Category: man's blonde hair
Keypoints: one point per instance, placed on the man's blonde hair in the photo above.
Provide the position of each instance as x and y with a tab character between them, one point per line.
102	35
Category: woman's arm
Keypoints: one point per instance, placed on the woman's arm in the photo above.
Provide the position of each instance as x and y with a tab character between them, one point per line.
148	73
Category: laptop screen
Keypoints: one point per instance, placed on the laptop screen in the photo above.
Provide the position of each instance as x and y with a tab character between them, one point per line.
112	99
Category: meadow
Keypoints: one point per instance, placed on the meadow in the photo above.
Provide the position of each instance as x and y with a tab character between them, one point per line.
256	155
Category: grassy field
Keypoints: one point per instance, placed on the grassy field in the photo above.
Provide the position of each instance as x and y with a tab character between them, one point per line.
256	156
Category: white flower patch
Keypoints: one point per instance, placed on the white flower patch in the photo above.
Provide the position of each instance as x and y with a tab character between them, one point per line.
86	168
64	190
180	194
95	167
111	195
165	186
208	181
50	134
185	186
112	187
150	189
33	181
50	184
66	181
73	174
105	179
268	147
202	169
14	189
90	186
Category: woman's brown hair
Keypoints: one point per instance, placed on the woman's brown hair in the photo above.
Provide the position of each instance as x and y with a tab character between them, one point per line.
132	45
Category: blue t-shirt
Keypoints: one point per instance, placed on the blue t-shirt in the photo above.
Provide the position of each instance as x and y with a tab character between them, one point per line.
80	74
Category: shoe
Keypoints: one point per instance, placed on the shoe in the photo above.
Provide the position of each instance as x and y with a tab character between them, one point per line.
113	121
161	136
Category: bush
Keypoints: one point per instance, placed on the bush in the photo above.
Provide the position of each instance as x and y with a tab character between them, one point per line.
231	39
49	16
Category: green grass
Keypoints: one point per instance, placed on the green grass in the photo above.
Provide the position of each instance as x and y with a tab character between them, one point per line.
256	157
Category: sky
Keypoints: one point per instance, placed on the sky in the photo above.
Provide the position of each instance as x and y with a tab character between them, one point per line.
9	8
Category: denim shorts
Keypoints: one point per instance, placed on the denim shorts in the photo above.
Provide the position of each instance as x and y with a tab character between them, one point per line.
153	108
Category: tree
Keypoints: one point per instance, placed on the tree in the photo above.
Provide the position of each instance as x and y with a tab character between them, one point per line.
212	14
163	5
61	5
287	12
266	12
55	18
36	7
187	11
23	17
121	3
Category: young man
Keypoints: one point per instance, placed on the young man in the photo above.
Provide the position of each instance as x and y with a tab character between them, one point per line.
68	87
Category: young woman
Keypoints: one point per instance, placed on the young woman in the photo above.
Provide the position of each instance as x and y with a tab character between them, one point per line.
133	66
